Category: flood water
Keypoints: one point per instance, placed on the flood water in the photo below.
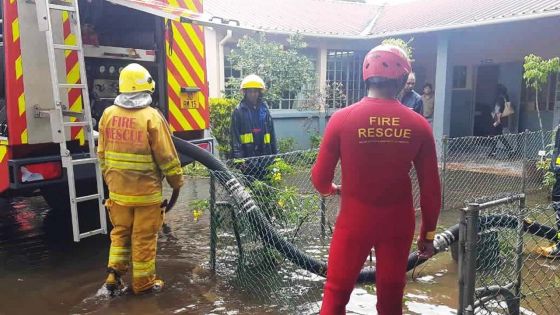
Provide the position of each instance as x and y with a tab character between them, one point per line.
42	271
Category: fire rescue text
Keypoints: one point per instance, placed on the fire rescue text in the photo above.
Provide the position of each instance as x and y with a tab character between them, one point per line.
386	128
123	129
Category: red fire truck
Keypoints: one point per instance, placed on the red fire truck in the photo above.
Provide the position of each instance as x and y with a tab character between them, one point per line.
60	66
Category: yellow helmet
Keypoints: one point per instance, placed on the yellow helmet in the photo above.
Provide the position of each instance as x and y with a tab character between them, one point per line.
135	78
252	81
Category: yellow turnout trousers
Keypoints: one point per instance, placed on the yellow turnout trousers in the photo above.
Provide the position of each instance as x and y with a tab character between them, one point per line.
135	230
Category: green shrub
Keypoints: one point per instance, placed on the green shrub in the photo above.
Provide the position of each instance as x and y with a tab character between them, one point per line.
286	145
315	140
220	122
196	170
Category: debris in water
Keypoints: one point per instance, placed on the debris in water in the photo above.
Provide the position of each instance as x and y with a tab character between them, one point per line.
218	309
426	279
423	308
182	309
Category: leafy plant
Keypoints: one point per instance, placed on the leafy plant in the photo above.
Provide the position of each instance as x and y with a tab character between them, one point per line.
283	67
286	145
277	171
549	179
296	208
332	96
402	44
220	122
198	206
196	170
315	140
537	71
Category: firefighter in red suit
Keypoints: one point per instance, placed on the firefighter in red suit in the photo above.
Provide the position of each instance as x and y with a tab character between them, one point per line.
377	140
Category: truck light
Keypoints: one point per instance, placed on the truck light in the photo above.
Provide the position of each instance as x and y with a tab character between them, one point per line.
205	146
40	171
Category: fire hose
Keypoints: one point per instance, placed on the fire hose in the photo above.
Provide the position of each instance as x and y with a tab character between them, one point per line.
272	238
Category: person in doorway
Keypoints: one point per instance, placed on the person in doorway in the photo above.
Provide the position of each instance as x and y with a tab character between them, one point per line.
376	141
553	251
409	97
428	102
135	152
499	122
252	130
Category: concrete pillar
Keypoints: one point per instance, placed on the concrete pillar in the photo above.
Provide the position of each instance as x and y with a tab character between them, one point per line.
443	85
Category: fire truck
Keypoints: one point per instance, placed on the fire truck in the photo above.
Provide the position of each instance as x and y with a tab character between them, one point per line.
60	66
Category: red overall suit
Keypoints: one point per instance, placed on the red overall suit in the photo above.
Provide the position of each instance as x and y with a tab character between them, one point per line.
376	141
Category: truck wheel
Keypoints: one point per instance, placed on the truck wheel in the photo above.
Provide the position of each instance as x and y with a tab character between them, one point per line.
58	199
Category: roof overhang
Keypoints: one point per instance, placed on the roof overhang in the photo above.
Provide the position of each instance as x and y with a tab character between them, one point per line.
183	15
164	10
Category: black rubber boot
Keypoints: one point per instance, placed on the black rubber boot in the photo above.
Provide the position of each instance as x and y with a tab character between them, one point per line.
114	283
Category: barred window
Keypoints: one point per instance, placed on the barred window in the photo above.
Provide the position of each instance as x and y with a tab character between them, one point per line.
297	99
230	72
344	77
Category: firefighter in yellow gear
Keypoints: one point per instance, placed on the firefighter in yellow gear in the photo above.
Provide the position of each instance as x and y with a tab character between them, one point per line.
135	152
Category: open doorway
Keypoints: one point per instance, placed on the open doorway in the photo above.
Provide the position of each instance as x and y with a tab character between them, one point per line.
486	82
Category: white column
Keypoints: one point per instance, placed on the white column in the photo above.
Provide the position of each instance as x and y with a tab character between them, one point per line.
212	62
322	70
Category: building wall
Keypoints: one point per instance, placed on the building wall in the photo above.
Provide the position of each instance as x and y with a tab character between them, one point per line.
501	44
496	45
511	76
297	125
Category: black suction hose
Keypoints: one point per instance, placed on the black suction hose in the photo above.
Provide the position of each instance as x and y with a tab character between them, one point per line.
269	235
245	202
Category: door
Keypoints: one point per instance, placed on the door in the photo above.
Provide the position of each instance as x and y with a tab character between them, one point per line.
486	81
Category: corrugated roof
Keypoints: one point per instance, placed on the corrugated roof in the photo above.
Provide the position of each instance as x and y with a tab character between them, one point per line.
359	20
310	17
432	14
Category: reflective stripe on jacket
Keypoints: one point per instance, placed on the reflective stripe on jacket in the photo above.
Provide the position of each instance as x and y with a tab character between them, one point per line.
135	151
243	142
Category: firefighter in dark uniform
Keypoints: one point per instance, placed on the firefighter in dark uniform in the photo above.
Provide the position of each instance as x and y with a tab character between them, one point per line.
252	130
553	251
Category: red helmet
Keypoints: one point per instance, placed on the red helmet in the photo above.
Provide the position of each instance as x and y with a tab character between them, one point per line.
386	62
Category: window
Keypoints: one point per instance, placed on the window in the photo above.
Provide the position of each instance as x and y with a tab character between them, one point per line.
344	77
460	77
548	96
297	99
230	73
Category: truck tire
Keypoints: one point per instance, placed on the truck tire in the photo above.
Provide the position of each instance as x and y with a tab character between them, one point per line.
57	196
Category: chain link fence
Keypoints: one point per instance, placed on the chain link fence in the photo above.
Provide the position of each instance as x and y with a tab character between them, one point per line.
487	166
248	249
501	268
271	238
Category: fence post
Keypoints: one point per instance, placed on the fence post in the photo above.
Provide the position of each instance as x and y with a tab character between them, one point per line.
519	253
468	237
323	216
524	161
445	147
213	222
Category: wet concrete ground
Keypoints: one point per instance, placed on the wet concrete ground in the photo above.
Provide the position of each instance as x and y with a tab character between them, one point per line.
44	272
